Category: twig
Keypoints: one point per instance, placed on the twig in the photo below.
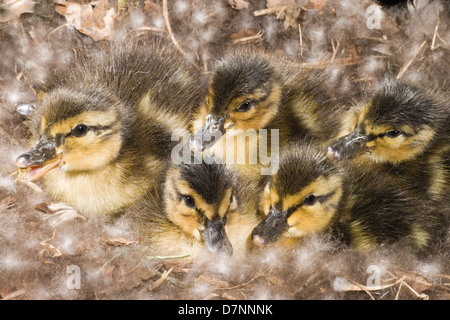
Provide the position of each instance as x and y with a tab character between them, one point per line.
56	29
107	262
325	63
300	36
335	49
421	296
408	64
167	257
435	32
13	295
263	12
145	29
169	28
158	282
257	37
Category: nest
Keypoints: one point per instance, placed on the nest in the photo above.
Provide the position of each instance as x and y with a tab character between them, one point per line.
50	251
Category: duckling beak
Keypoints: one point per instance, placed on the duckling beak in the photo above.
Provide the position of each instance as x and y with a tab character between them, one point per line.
39	160
347	146
271	228
209	134
216	238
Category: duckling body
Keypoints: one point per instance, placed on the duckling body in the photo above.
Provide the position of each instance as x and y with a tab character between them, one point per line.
312	194
102	132
403	131
251	91
196	210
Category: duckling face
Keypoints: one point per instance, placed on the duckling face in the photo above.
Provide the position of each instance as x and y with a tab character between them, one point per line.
302	199
244	93
396	125
199	200
77	132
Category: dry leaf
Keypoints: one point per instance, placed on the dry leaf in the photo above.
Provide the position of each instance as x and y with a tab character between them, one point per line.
151	7
7	203
49	251
14	295
285	9
56	214
212	281
415	281
118	242
317	4
94	19
12	9
238	4
244	33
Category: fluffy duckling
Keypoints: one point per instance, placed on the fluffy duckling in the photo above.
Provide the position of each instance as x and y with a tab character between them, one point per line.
196	208
253	90
311	194
102	132
403	130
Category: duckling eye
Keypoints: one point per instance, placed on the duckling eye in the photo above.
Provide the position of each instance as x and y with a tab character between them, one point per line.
310	200
245	106
80	130
189	201
393	133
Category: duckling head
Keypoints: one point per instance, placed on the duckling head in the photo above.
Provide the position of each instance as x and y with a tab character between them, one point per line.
199	199
244	93
302	198
397	124
75	131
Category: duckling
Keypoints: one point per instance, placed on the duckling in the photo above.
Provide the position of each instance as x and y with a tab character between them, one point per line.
251	90
403	130
102	132
313	194
196	208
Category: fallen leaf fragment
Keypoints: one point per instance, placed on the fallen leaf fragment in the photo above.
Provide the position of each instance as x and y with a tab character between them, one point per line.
212	281
94	19
58	213
151	7
317	4
7	203
12	9
238	4
118	242
14	295
417	282
49	251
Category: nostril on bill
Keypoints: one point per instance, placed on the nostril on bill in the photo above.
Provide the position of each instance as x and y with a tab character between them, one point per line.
23	160
258	240
334	151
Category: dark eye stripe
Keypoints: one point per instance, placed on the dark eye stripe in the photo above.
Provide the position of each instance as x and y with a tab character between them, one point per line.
319	199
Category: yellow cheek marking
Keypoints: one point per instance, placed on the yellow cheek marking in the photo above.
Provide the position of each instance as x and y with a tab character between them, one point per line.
199	118
89	152
400	148
371	144
309	220
225	204
274	197
259	116
43	124
264	202
362	115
